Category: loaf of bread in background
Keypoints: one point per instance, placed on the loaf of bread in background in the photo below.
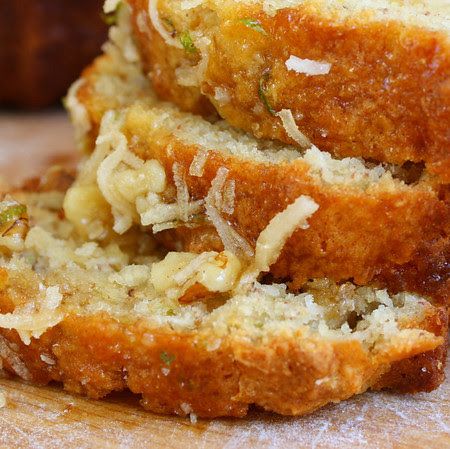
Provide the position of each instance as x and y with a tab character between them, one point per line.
44	45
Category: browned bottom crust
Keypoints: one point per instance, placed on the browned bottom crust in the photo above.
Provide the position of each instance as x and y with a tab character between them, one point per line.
422	372
97	355
181	373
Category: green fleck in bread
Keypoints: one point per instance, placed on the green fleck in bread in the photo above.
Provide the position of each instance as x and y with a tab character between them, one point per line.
384	224
361	78
95	318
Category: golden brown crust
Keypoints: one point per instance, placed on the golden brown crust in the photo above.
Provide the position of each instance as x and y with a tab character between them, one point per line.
423	372
354	234
35	38
96	355
387	96
427	273
396	237
180	373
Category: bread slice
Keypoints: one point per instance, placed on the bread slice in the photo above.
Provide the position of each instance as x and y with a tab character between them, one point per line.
98	318
361	78
373	223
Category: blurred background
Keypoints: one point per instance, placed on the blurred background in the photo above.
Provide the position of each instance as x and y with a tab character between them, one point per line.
44	46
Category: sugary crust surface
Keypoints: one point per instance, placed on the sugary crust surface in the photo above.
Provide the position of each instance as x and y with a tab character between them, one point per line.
398	238
181	373
96	355
386	97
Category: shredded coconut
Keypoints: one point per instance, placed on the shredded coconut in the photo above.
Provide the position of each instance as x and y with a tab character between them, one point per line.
193	76
183	275
161	215
29	322
198	163
33	325
229	195
308	66
231	239
131	276
182	191
121	39
53	298
110	6
78	113
141	21
159	27
350	170
190	4
111	137
48	360
273	238
133	188
291	128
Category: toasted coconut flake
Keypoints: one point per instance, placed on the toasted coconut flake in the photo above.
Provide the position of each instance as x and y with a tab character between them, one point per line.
231	239
198	163
229	195
273	238
291	128
182	191
159	27
308	67
190	4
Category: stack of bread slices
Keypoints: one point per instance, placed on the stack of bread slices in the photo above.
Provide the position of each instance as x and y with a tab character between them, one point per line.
261	216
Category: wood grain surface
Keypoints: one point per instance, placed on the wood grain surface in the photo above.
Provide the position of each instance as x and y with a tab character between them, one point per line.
47	417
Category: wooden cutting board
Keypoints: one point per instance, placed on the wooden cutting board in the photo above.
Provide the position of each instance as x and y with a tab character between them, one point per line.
49	418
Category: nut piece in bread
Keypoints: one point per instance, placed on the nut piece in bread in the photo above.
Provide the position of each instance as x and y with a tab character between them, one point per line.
373	223
88	315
